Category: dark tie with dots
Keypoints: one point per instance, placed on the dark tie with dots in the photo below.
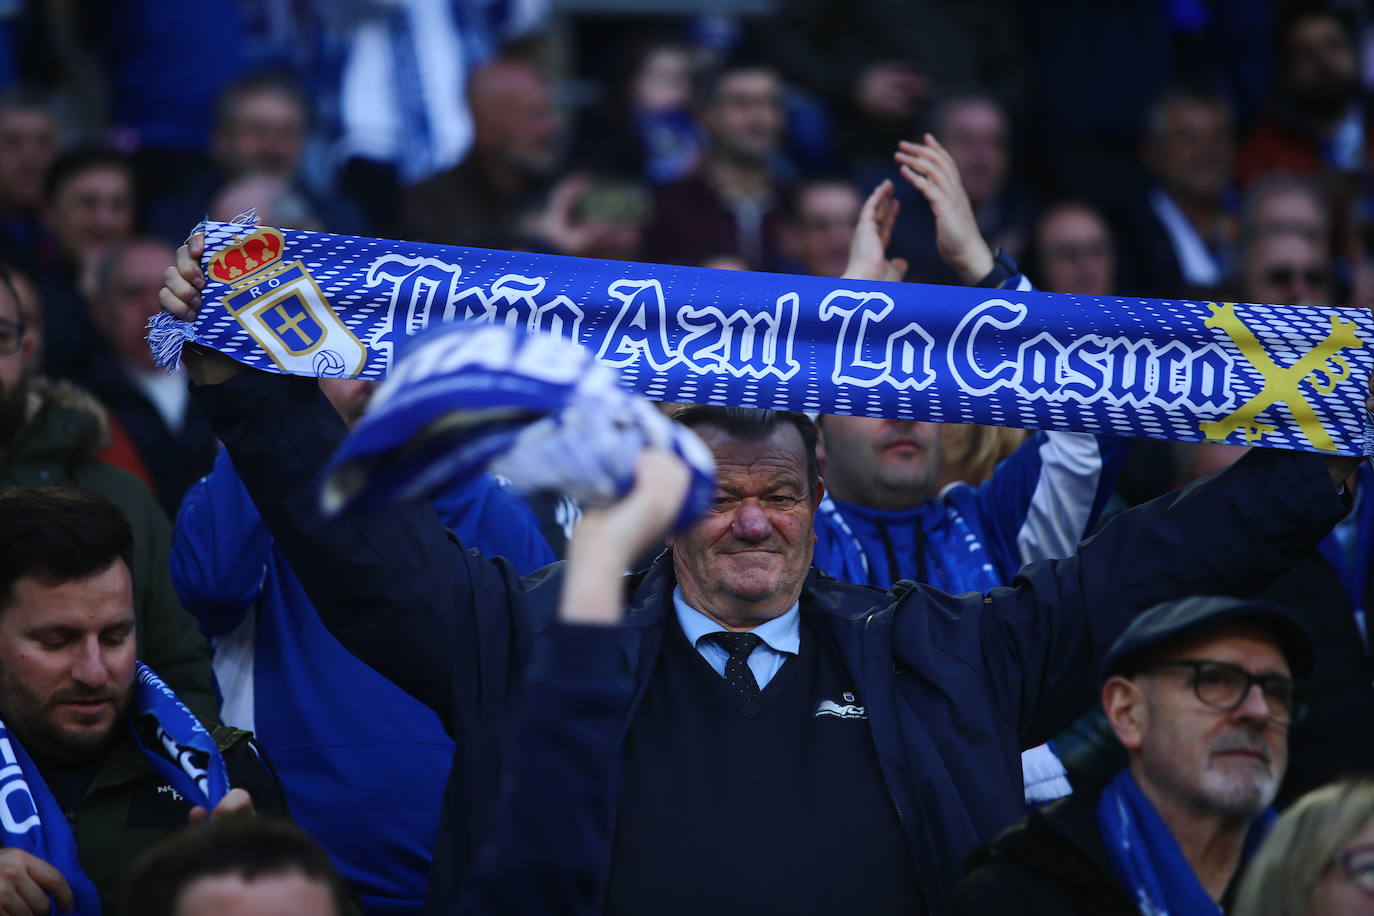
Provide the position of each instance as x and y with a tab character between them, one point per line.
738	674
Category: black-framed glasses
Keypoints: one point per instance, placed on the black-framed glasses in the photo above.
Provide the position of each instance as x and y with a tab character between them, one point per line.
11	335
1357	864
1224	686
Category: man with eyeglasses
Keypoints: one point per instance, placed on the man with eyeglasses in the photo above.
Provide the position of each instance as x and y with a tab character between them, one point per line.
1201	694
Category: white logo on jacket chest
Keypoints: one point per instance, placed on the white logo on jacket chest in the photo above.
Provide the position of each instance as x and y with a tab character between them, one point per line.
847	711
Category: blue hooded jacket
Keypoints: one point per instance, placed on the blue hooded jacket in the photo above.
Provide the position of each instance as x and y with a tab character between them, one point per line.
363	764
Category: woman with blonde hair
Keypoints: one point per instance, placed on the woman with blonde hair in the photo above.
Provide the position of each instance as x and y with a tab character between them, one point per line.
1319	858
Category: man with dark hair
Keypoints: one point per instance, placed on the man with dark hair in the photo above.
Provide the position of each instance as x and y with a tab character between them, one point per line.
28	142
1319	121
1201	694
101	757
775	708
260	129
88	206
735	200
236	866
820	223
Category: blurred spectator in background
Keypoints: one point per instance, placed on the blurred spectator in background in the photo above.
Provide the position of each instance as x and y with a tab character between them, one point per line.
1072	251
735	200
114	447
646	128
1318	120
276	202
1286	203
487	200
88	205
872	65
1179	239
260	129
28	143
1284	267
172	436
404	96
820	226
973	127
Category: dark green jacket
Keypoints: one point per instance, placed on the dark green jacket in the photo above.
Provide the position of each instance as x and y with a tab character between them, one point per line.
129	806
57	447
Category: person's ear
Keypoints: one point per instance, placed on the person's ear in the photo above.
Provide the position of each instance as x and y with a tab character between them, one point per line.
1124	703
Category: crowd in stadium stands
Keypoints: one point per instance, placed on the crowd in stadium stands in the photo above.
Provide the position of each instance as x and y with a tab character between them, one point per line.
1132	675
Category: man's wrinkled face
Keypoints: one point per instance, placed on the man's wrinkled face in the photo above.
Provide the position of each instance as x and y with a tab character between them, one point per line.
91	211
1205	759
745	119
744	562
67	653
883	464
1284	268
28	144
975	133
264	133
1192	151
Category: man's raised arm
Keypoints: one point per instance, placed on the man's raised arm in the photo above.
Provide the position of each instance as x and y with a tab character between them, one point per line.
392	586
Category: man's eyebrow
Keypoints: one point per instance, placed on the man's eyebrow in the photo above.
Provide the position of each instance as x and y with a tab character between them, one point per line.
50	629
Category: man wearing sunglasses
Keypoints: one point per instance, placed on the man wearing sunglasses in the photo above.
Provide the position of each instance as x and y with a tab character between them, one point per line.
1200	692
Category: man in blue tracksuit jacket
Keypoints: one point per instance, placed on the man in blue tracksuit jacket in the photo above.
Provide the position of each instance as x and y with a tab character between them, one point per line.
949	688
363	763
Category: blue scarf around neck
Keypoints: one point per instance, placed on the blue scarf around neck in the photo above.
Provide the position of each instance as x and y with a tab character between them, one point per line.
1146	858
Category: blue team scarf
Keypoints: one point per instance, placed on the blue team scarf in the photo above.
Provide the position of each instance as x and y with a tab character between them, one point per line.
536	409
1284	376
1147	860
177	745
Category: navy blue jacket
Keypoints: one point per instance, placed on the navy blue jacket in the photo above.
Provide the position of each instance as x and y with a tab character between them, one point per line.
956	687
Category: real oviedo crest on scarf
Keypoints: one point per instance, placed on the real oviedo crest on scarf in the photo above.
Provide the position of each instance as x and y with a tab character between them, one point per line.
279	304
1282	376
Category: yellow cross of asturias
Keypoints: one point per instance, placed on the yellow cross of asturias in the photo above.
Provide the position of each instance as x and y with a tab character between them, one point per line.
1281	383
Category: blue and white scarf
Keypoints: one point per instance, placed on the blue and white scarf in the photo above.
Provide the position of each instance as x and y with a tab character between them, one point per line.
1282	376
536	409
1146	858
176	744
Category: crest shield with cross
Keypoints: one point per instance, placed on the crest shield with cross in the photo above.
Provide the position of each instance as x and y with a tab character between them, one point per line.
286	312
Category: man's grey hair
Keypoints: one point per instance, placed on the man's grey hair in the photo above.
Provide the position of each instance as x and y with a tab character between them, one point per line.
748	424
